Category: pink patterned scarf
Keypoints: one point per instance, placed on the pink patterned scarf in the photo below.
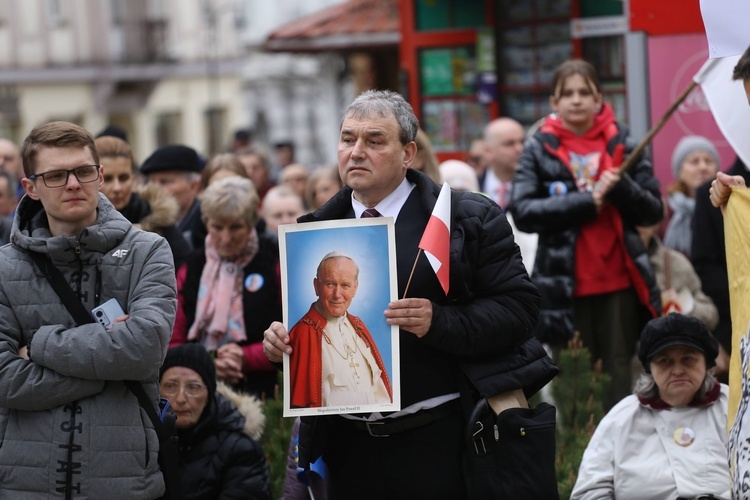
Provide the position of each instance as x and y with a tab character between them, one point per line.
219	314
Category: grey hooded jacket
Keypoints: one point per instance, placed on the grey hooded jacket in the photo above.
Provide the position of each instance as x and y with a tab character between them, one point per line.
69	427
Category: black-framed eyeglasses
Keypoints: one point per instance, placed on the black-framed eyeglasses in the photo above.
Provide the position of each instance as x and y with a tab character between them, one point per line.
59	178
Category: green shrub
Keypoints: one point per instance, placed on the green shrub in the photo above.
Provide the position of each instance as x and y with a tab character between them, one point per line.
578	392
276	438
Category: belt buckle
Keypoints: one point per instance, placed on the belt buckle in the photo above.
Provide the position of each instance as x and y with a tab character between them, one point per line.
369	427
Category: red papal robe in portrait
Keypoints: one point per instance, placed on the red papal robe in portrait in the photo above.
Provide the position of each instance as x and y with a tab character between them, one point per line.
305	365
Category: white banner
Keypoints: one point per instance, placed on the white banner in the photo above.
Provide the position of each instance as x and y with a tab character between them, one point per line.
726	23
728	102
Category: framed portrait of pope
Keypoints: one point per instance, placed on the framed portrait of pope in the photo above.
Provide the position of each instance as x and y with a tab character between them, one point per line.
337	278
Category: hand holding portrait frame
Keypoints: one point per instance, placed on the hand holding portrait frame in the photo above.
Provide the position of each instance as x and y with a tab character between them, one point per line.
346	356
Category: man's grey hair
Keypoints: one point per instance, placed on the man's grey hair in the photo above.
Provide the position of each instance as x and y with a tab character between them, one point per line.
336	255
646	388
385	103
191	176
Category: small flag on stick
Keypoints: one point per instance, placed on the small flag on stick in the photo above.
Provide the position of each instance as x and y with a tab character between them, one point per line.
436	240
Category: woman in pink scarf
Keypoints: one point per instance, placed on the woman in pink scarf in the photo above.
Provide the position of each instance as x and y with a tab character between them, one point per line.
229	292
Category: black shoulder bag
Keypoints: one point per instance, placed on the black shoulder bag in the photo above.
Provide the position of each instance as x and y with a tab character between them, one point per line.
169	457
510	454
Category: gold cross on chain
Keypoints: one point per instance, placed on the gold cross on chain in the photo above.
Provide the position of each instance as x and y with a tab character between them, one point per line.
353	365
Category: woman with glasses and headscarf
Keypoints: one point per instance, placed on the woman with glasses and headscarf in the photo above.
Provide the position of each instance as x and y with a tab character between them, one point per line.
218	430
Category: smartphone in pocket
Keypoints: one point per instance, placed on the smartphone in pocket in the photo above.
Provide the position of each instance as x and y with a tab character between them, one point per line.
107	312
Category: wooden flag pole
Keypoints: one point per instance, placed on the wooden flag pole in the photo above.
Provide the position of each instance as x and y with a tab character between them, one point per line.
411	273
630	161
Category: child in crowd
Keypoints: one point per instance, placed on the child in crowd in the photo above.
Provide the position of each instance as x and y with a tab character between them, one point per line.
590	267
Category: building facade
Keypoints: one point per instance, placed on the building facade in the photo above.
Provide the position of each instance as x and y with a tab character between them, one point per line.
164	70
469	61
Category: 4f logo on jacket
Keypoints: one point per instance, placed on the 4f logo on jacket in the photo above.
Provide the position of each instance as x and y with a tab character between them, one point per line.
120	253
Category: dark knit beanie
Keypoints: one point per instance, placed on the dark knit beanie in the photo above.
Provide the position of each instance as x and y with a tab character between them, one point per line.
172	157
676	329
195	357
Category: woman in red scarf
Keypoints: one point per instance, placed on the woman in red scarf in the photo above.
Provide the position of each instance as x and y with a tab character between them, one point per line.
590	267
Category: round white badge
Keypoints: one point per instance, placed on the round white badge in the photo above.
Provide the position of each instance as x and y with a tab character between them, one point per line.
684	436
253	282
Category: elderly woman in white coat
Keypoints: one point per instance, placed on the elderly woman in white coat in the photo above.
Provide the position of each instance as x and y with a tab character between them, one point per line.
668	439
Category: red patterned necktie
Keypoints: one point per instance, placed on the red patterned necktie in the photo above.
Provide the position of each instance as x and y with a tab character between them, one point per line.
370	212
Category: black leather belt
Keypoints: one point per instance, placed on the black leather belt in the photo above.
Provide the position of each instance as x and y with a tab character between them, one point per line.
388	426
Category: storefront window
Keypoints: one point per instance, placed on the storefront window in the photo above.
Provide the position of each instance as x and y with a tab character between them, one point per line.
447	71
607	55
448	14
596	8
534	39
453	123
451	79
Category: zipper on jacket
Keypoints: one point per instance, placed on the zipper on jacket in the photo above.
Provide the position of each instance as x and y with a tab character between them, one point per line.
79	292
68	467
98	286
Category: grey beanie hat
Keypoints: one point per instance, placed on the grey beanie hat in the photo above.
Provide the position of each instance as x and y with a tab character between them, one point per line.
690	144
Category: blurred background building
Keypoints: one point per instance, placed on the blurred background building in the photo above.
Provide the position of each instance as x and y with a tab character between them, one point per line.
163	70
188	71
195	71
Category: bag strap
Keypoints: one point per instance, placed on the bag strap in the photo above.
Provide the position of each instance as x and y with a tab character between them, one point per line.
169	458
62	289
82	317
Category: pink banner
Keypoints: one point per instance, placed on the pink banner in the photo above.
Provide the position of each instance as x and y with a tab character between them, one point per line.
673	60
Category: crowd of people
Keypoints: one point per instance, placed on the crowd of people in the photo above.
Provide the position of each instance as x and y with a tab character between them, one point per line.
549	237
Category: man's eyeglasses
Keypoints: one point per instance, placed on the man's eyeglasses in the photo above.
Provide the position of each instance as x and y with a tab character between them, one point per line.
59	178
192	390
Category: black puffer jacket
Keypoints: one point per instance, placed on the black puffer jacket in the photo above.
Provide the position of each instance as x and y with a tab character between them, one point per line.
220	458
492	305
558	220
483	327
5	225
708	254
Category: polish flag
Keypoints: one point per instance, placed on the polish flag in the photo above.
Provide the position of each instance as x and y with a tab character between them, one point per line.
437	237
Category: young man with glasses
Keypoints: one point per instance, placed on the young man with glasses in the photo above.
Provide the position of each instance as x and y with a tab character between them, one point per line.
70	423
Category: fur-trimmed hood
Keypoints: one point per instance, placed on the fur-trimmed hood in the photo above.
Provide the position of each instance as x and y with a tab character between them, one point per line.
152	209
164	208
249	406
